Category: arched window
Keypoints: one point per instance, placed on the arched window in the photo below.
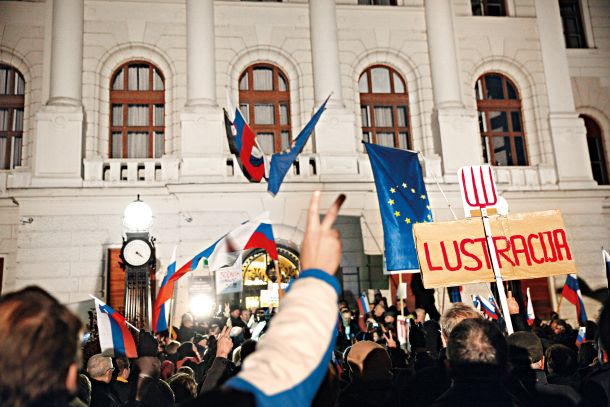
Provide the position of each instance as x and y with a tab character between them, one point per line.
500	121
597	155
264	99
12	91
384	105
137	110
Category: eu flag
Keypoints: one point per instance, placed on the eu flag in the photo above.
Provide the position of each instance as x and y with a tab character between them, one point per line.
403	201
281	162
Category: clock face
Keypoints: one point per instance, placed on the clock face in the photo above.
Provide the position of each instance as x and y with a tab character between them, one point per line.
137	252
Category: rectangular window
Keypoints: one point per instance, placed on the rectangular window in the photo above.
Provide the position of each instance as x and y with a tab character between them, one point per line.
18	120
157	81
263	114
137	145
4	164
17	149
159	115
243	108
159	144
265	140
283	115
4	76
117	145
495	8
366	120
385	139
377	2
285	140
262	79
402	141
401	113
3	119
117	115
383	116
380	78
573	29
19	85
137	115
243	82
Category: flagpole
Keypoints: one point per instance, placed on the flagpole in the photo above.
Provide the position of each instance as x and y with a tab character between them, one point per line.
402	308
169	317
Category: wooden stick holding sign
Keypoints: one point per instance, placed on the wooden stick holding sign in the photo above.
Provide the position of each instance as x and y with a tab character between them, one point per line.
479	190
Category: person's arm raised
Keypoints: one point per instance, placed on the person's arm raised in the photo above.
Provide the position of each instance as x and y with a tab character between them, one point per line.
291	359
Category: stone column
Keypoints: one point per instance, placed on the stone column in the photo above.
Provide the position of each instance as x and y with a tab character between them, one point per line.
456	134
335	140
59	128
202	129
568	132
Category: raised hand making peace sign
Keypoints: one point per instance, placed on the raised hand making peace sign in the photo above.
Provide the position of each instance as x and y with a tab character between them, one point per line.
321	244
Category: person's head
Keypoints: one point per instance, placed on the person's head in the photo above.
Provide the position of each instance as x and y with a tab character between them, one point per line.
235	311
247	348
420	315
186	350
453	316
525	349
167	369
379	310
346	316
558	326
560	360
186	369
245	315
369	361
184	387
122	367
389	317
99	367
187	320
39	347
172	348
587	354
476	347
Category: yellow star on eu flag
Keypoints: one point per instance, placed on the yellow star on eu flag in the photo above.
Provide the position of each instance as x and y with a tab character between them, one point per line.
404	184
392	190
412	190
391	202
422	196
407	220
429	217
397	214
428	207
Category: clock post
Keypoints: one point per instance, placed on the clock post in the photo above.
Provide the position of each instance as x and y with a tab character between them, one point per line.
139	262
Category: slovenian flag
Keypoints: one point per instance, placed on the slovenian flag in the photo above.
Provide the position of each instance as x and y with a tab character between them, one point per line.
530	309
115	337
220	254
242	143
571	292
582	334
489	307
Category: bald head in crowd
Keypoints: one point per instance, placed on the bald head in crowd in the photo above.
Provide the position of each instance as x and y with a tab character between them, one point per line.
453	316
100	368
477	346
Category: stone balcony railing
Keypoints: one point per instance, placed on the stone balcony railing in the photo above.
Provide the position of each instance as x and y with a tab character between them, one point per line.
129	171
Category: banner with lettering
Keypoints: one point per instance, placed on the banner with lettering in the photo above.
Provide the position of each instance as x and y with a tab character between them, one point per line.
528	245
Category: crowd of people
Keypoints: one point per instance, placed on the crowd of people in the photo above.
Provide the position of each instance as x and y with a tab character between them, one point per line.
311	351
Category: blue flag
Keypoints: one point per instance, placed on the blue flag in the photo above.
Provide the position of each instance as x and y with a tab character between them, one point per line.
403	201
281	162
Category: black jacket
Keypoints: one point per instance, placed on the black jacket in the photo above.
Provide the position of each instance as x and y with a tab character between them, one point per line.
103	395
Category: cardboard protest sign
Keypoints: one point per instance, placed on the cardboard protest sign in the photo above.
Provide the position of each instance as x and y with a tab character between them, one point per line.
269	298
528	245
229	279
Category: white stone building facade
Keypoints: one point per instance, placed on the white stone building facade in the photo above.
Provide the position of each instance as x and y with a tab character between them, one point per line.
60	208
